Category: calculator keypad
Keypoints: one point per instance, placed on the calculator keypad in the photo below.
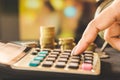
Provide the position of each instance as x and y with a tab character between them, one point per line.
48	58
55	60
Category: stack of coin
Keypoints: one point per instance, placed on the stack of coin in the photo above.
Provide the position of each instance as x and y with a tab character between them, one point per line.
47	35
66	43
91	47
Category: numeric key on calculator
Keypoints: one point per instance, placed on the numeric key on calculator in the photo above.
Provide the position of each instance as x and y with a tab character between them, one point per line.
55	53
34	53
38	58
52	56
76	57
50	59
57	50
34	63
66	53
64	56
60	64
47	63
73	65
37	49
75	60
63	60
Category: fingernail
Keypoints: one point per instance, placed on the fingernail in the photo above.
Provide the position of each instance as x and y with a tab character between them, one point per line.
75	51
72	53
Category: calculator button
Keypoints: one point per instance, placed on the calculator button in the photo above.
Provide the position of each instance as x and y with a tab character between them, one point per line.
57	50
88	58
86	66
75	57
34	53
88	61
73	65
88	52
60	64
37	49
62	60
34	63
50	59
48	50
52	56
65	53
54	53
75	60
42	55
69	51
43	52
39	58
88	55
47	63
64	56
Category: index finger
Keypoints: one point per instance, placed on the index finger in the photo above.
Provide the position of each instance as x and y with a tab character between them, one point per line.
106	18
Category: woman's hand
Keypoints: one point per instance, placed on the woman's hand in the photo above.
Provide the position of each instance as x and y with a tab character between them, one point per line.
108	20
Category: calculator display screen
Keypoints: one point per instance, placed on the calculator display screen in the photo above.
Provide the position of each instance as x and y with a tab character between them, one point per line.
9	51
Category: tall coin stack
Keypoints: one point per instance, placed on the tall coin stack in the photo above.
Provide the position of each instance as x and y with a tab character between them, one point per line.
47	35
66	43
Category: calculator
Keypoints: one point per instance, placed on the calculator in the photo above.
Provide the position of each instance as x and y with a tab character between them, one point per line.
56	60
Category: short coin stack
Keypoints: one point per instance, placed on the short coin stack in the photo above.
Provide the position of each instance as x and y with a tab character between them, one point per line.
66	43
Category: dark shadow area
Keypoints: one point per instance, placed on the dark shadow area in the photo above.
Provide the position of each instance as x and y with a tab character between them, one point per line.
10	74
9	22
